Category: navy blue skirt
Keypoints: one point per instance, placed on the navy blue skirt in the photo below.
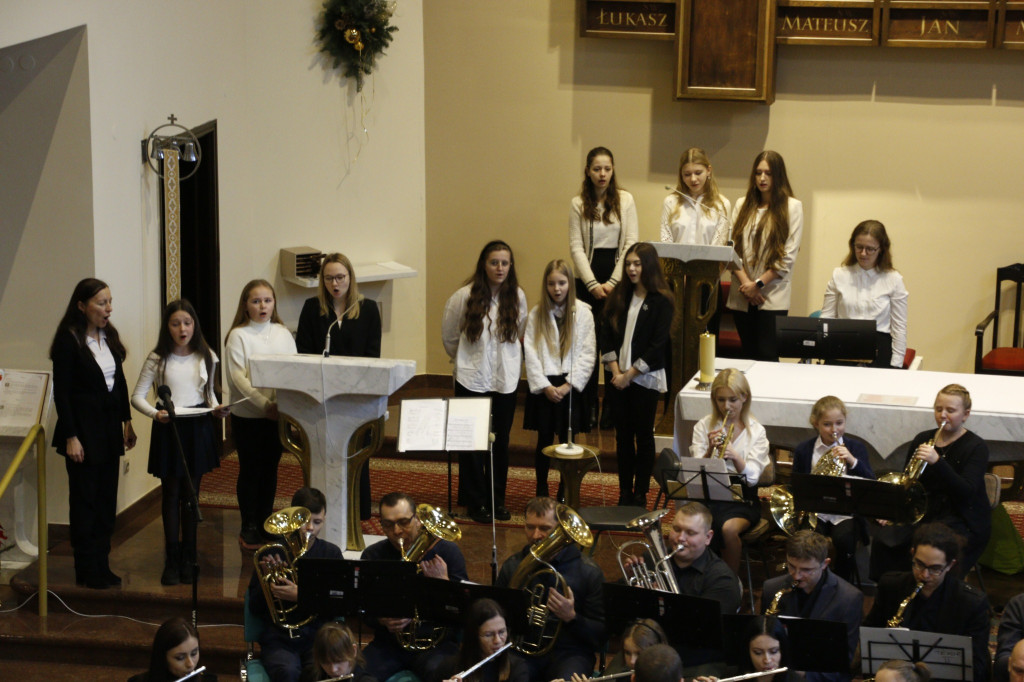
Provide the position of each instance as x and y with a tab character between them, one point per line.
198	441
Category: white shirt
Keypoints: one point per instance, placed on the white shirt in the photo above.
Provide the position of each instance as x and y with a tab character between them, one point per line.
777	292
244	342
683	221
751	444
104	357
582	237
543	358
488	364
854	293
185	375
656	380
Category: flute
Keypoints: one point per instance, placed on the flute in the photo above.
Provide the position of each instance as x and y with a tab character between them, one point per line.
484	661
195	673
611	677
750	676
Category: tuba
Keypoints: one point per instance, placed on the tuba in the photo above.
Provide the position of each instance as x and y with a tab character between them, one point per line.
535	573
287	523
781	504
660	577
436	526
917	496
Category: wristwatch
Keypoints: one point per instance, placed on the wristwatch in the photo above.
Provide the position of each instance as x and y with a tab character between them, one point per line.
760	284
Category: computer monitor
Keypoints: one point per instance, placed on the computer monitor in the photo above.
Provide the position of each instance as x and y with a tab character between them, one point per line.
816	338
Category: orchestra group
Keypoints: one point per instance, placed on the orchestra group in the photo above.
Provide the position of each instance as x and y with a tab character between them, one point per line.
608	304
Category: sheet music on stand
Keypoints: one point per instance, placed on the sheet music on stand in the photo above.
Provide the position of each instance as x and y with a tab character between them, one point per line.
439	424
705	478
24	400
948	657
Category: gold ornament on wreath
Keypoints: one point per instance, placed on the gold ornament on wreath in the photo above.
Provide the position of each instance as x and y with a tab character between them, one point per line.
353	33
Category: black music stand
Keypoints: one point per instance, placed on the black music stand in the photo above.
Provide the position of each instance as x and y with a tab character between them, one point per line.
706	478
851	496
688	621
948	657
814	645
333	588
447	601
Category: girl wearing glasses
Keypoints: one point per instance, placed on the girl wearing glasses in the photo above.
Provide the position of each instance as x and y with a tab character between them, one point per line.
867	287
341	321
485	633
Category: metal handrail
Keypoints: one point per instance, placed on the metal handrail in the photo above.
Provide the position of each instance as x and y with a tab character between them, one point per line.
37	434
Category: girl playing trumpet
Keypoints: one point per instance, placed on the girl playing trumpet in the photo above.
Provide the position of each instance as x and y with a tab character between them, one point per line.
731	433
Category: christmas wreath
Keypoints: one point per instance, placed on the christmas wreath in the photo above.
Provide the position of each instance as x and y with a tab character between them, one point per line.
354	32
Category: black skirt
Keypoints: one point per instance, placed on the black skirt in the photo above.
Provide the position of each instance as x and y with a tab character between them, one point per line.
540	414
198	440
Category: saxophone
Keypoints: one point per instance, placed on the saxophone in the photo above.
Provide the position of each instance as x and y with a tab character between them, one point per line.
773	608
897	619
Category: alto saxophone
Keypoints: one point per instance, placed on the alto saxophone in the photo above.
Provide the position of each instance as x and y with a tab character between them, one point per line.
773	608
897	619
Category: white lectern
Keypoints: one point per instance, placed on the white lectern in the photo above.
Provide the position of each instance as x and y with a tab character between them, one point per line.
330	400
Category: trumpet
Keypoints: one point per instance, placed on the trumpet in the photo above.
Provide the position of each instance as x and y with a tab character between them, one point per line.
723	441
773	608
535	568
917	496
660	576
897	618
287	523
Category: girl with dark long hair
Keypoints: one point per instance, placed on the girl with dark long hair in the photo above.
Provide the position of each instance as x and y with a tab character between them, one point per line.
485	633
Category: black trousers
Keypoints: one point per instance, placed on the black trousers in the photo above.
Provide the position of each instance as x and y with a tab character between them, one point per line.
756	328
92	506
475	467
259	452
635	409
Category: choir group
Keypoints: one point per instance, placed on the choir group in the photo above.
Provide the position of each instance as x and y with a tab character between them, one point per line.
609	305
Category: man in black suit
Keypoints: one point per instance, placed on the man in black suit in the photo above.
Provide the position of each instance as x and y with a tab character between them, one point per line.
816	593
945	603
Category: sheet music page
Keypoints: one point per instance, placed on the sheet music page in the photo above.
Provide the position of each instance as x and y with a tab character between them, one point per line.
22	395
469	423
422	425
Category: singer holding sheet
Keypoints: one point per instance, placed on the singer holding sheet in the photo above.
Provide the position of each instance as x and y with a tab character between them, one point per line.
482	332
695	213
341	321
767	225
602	226
94	425
256	330
867	287
183	363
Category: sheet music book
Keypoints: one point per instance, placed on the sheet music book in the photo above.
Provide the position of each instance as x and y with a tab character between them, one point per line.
438	424
23	397
713	484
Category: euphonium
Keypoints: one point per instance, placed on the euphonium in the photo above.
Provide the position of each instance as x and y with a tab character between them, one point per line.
436	526
781	503
897	618
917	496
541	628
773	608
287	523
659	575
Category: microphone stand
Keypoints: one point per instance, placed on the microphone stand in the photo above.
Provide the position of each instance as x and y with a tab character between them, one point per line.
494	520
192	503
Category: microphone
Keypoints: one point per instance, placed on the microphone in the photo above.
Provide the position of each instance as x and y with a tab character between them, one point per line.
164	393
327	341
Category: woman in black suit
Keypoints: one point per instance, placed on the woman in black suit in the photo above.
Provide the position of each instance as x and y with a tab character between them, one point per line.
634	348
340	321
93	424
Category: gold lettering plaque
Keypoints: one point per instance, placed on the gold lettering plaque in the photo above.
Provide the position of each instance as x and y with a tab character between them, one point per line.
905	25
628	19
799	24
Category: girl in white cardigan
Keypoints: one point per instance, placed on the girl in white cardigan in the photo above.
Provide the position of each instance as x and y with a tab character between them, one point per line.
560	355
257	329
184	362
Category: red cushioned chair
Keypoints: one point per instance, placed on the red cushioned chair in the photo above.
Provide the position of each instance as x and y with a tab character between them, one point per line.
1005	359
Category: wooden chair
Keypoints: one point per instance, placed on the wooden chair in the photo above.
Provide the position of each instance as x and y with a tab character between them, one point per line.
1001	359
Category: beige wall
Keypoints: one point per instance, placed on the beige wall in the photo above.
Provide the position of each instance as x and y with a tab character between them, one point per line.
288	174
927	141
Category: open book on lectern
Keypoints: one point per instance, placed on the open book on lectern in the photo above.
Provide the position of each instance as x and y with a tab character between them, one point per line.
440	424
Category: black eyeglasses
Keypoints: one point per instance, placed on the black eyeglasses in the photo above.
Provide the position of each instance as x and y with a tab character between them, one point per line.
401	523
934	569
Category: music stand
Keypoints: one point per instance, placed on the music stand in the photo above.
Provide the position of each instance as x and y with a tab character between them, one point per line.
851	496
815	645
447	601
948	657
705	478
693	622
331	588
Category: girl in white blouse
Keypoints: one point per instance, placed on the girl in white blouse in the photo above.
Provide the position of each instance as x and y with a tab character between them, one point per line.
867	287
482	330
560	354
184	362
695	213
256	330
746	454
602	226
767	225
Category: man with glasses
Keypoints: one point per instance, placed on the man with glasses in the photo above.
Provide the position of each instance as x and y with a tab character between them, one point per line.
945	603
817	593
384	656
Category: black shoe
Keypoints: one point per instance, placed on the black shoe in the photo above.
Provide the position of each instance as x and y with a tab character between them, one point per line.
250	537
480	515
93	581
625	500
172	558
640	500
110	578
502	514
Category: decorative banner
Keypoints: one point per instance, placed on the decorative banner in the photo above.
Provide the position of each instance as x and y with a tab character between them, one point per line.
172	225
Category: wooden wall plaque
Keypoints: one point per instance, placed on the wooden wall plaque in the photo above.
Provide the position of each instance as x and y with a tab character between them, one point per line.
912	23
726	50
628	19
1010	29
813	22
